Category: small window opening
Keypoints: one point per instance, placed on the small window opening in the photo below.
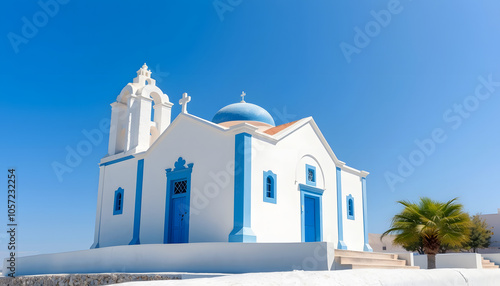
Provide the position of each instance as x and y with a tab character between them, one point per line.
180	187
118	202
269	188
310	175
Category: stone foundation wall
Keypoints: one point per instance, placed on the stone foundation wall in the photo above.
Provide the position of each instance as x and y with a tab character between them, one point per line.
83	279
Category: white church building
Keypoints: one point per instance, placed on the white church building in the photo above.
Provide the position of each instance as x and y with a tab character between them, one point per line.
234	194
235	178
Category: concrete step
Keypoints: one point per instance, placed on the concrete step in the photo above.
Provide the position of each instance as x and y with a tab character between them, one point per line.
490	267
352	253
368	261
487	264
363	266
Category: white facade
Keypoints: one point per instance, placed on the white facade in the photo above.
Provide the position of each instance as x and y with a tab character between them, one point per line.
493	220
241	179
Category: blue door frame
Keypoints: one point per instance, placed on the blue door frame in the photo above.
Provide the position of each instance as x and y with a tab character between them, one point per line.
177	206
311	213
179	217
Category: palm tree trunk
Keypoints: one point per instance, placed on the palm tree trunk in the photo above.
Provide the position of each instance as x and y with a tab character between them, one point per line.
431	261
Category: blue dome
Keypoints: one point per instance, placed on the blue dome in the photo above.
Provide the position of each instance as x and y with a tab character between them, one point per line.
243	111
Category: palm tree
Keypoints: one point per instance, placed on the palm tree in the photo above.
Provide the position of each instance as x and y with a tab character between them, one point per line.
434	223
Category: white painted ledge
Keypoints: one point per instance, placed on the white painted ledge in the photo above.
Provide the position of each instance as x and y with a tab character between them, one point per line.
189	257
451	260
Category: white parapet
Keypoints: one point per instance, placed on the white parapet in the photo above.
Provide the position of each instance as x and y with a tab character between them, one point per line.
189	257
420	261
451	260
459	260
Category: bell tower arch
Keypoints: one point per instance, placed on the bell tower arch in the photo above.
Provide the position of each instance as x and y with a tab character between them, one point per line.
133	128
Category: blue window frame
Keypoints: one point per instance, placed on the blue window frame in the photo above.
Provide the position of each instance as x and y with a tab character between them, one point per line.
270	187
310	175
350	207
118	202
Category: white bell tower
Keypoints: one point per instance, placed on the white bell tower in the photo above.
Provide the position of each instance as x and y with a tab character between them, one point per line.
133	128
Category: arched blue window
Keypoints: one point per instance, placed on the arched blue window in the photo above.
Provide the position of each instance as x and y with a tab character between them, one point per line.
350	207
118	203
269	187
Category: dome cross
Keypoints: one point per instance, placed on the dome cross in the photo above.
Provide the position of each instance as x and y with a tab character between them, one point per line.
243	96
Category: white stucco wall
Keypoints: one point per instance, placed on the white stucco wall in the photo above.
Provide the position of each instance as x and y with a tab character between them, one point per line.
118	229
288	159
211	200
451	260
420	261
211	150
493	220
353	229
280	221
212	153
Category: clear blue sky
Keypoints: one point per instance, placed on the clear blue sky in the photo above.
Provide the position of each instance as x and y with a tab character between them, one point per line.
287	57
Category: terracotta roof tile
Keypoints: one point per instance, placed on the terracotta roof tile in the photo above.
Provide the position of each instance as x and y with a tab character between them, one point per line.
274	130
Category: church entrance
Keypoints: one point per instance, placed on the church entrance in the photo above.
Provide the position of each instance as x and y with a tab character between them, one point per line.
310	218
179	213
177	203
311	213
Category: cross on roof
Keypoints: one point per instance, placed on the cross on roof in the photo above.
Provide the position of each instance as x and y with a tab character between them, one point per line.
184	101
243	96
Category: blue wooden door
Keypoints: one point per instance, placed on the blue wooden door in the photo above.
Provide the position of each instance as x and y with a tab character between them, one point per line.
310	219
179	217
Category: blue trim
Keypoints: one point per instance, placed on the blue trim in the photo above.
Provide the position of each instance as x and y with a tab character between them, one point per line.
117	160
367	246
138	202
242	230
317	194
180	172
350	207
341	244
115	202
310	189
274	184
313	169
